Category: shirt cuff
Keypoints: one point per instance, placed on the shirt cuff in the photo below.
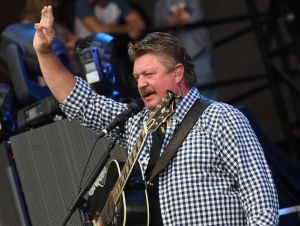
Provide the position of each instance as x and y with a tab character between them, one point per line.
79	95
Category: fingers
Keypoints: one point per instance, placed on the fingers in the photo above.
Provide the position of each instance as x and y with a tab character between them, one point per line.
47	18
45	28
43	15
47	22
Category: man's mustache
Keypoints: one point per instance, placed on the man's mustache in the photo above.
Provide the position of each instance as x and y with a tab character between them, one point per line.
146	91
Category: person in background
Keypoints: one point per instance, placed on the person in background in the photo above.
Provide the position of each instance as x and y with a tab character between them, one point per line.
196	40
114	17
218	176
32	13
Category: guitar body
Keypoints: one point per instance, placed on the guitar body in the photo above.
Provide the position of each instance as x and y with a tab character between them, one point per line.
132	207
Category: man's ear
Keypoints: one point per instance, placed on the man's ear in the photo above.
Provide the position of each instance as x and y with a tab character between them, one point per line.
179	73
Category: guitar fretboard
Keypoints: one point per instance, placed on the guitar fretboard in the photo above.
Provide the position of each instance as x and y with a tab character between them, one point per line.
128	166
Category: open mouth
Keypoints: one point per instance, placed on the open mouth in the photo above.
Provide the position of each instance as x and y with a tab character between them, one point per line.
146	93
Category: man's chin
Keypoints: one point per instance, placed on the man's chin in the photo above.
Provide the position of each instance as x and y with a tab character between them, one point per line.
148	102
151	105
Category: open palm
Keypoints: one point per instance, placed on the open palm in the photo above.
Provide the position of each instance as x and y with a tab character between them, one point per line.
45	34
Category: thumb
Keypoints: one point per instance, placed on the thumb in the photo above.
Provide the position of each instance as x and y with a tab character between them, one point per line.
39	31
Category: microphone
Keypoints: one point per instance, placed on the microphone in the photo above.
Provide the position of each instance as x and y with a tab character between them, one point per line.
133	108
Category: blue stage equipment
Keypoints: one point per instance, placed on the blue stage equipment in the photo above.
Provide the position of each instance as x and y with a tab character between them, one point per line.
23	67
95	57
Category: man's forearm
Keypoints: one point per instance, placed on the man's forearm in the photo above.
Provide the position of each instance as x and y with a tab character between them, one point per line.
59	80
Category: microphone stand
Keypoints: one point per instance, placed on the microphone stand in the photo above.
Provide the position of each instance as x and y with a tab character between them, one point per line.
80	202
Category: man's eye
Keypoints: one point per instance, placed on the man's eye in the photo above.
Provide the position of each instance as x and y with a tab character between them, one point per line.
148	74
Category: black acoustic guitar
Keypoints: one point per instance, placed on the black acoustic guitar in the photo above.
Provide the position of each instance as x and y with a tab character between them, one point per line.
122	198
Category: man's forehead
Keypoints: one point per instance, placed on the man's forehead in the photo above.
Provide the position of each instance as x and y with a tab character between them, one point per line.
147	63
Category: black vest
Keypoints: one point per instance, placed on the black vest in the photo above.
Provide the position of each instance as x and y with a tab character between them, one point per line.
152	189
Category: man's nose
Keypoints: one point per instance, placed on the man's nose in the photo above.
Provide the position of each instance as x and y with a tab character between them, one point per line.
142	82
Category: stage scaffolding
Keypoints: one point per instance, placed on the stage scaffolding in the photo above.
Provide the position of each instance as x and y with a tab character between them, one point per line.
267	27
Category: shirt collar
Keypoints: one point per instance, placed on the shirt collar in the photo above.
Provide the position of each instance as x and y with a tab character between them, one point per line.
186	103
183	105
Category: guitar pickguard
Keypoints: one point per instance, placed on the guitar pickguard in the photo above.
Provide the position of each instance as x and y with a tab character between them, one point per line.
132	208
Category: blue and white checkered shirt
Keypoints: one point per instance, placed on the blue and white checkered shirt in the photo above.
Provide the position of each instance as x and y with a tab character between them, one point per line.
219	175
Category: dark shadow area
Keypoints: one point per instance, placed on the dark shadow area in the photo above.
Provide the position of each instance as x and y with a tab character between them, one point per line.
285	172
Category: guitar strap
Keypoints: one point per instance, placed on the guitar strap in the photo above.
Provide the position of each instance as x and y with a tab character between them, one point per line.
180	134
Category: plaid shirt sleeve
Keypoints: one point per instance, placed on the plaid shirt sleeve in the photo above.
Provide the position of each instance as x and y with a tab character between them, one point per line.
244	159
89	108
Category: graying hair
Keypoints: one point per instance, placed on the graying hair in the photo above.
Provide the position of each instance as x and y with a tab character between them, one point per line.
171	51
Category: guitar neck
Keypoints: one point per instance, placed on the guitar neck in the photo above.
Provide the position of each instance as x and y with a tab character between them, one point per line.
128	166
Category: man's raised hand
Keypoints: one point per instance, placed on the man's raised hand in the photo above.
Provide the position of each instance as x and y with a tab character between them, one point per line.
45	33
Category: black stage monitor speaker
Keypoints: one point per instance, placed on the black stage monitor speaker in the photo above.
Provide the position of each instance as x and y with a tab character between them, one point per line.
13	210
50	162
